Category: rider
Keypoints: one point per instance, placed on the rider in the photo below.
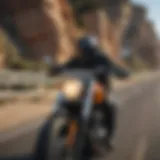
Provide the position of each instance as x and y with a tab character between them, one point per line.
92	57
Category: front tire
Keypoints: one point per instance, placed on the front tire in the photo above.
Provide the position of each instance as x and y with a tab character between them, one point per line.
50	144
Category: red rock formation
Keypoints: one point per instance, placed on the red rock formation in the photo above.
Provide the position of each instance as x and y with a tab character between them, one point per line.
141	37
2	49
60	18
109	33
45	25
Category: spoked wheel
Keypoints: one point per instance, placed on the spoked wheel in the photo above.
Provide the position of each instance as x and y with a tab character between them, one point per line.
56	138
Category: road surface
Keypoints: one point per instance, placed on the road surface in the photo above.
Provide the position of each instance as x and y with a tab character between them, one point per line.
138	127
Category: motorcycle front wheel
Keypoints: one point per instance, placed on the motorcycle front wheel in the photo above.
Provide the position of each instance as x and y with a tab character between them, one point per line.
51	140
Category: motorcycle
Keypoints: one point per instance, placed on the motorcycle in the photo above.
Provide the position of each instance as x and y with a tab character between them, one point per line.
76	124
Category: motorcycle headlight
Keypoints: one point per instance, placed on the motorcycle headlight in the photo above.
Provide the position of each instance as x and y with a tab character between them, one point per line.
72	89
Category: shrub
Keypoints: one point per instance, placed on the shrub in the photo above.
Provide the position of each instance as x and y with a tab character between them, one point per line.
23	64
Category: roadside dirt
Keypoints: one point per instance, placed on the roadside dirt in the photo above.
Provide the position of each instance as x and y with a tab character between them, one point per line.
20	113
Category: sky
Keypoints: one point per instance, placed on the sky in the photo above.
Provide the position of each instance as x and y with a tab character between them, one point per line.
153	12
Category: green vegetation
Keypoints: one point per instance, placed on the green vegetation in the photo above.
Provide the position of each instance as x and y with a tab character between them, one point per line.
137	63
81	6
3	39
23	64
13	60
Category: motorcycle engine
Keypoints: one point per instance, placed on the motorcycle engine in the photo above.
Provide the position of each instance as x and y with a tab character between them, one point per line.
98	130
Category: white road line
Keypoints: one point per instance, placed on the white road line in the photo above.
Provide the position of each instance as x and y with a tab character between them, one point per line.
141	149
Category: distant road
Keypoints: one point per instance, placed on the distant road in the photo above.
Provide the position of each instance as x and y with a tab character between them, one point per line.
138	130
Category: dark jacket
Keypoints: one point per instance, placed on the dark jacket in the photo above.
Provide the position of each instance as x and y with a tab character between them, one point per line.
92	59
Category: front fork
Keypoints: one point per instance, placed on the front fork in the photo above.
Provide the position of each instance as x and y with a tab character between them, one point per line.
72	133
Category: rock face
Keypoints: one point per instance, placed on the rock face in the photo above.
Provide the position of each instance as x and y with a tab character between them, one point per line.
141	37
120	24
110	33
46	26
60	19
2	49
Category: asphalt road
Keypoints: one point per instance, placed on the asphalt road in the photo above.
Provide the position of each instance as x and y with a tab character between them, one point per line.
138	127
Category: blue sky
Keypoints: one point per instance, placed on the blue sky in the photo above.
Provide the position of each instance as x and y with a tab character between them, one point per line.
154	11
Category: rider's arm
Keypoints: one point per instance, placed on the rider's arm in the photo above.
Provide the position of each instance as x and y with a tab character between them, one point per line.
113	68
73	63
120	72
57	69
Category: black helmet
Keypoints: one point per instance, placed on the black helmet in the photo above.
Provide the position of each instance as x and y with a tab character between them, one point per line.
88	42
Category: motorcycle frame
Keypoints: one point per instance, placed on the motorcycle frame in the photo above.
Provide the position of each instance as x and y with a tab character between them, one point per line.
83	120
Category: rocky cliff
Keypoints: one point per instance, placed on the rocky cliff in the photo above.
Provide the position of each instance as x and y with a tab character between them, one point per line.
47	27
141	38
107	20
2	49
